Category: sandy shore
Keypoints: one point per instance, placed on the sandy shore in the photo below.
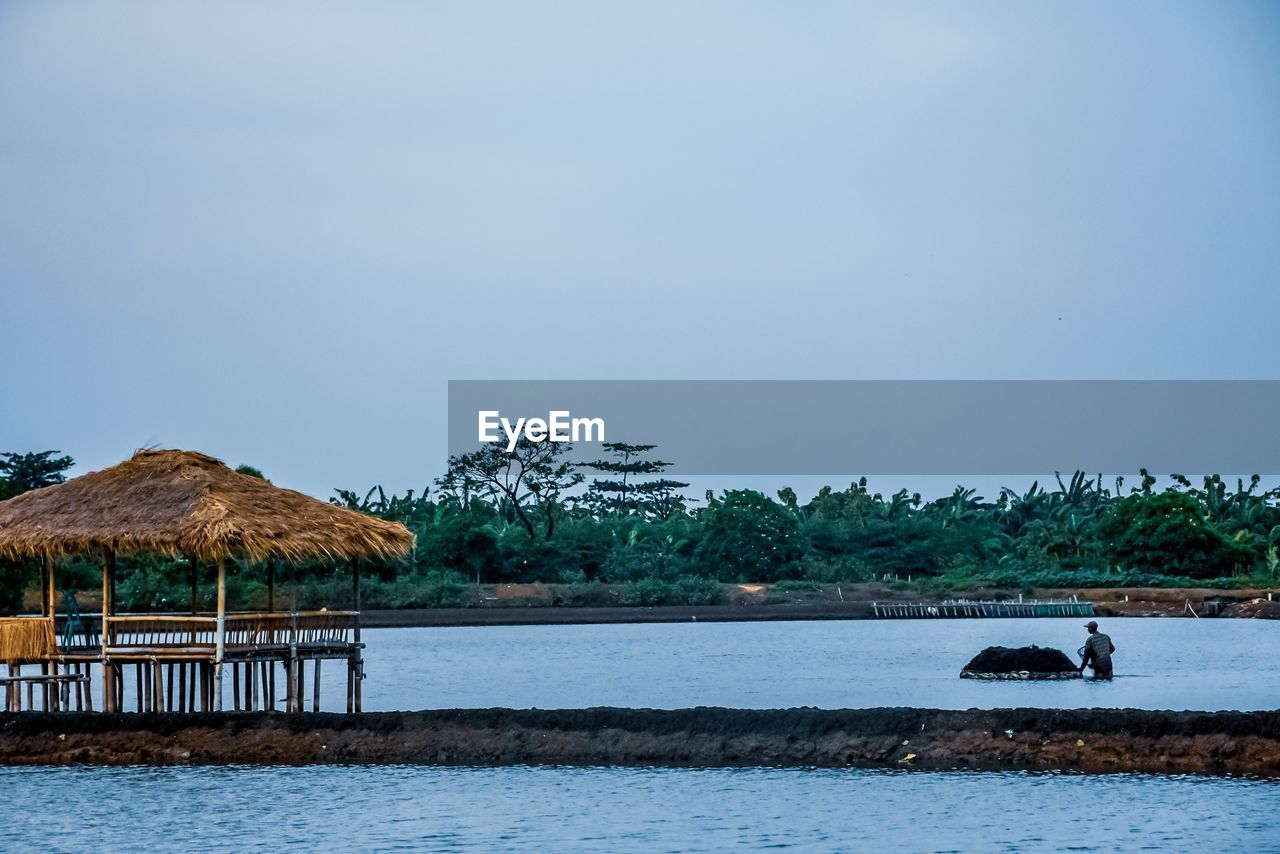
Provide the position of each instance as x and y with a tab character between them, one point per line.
1093	740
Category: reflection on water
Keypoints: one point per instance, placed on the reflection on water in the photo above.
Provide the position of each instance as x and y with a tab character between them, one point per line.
465	809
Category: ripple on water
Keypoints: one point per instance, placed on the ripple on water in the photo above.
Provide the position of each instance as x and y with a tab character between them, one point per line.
472	809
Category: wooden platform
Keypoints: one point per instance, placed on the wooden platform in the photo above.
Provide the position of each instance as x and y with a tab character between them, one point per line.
173	661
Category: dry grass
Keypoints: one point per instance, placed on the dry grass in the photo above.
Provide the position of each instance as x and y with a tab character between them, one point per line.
26	639
187	503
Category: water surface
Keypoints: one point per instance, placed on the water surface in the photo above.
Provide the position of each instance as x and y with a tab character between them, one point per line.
626	809
1161	663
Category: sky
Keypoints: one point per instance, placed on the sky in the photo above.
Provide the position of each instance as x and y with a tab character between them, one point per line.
273	232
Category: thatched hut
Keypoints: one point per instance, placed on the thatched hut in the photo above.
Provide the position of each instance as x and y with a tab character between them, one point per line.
187	504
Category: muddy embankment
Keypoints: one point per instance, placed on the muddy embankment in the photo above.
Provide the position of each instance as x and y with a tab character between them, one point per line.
534	604
1095	740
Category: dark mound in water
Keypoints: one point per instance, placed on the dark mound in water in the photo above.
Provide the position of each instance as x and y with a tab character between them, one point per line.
1024	662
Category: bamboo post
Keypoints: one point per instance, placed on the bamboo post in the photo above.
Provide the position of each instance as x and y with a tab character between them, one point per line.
359	679
51	611
289	679
108	675
359	668
315	689
355	585
220	631
195	583
50	594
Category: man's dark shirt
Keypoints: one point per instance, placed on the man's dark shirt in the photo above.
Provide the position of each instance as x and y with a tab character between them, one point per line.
1100	646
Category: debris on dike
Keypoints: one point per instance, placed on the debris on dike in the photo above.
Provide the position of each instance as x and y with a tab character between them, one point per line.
1092	740
1025	662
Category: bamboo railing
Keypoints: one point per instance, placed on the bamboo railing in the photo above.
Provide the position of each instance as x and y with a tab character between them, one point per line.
243	631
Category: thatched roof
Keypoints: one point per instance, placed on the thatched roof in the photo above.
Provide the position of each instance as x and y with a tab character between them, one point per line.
183	502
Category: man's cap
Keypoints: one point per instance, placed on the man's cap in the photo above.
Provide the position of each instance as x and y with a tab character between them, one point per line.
1091	625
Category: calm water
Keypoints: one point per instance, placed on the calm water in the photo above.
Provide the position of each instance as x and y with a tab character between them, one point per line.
559	809
1160	663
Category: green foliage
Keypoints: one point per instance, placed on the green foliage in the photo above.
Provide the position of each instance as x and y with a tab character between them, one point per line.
746	536
15	576
499	518
634	488
21	473
1169	533
686	590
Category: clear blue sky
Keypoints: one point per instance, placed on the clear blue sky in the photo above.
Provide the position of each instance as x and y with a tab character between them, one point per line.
273	231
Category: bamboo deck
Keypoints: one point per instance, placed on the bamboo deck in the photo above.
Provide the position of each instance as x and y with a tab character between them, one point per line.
172	661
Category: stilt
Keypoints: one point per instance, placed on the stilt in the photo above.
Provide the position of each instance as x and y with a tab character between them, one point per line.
157	687
235	685
208	689
268	698
315	688
301	670
168	694
182	686
359	679
110	689
351	685
141	687
291	681
220	630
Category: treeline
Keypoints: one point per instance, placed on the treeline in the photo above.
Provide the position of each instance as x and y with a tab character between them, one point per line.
532	516
1074	532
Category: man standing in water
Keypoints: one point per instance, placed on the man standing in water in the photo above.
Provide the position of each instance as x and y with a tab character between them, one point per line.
1097	652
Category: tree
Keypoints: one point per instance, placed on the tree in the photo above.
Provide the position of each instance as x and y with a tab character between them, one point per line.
748	537
25	472
629	493
1167	533
527	481
244	468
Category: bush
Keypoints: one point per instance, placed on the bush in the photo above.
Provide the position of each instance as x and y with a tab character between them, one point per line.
639	562
14	578
749	537
687	590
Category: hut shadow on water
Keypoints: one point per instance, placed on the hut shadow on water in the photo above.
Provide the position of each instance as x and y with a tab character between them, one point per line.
182	503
